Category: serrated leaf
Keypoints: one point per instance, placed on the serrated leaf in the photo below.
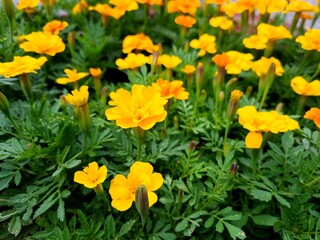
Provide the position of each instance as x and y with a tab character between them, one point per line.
65	193
182	225
73	164
264	220
125	228
48	203
219	227
261	195
110	227
7	214
14	226
4	182
276	149
234	231
61	210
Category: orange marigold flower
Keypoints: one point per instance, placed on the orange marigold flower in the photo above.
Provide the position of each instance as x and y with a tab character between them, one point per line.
218	2
123	189
132	61
151	2
221	22
169	61
139	41
55	26
255	42
125	5
206	43
20	65
42	43
95	72
105	10
171	89
188	69
261	66
304	88
27	4
231	9
72	76
273	33
78	98
314	115
91	176
79	7
183	6
143	107
185	21
310	40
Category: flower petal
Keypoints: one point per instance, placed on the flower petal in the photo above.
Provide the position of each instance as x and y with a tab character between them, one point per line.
254	140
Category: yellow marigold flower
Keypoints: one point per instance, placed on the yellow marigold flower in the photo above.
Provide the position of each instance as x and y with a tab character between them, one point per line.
233	62
132	61
185	21
139	41
169	61
221	22
27	4
300	6
79	7
95	72
91	175
72	76
125	5
42	43
188	69
206	43
20	65
55	26
183	6
78	98
304	88
306	16
236	95
231	9
261	66
123	189
151	2
273	33
143	108
255	42
50	2
270	6
310	40
171	89
105	10
258	122
314	115
244	5
218	2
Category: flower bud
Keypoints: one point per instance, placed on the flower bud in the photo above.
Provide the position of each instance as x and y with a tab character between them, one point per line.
199	75
233	103
142	202
104	92
9	10
4	104
192	146
71	41
176	122
233	169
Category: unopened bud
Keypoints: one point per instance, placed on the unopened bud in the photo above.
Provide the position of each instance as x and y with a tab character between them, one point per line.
180	196
230	82
142	202
4	104
176	122
63	102
279	107
199	74
71	41
192	146
233	169
221	96
9	9
104	92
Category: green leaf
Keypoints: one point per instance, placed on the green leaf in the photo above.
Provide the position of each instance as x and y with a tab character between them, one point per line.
276	149
224	211
197	214
110	227
7	214
17	178
182	225
4	182
261	195
48	203
61	210
219	227
234	231
14	226
72	164
209	222
282	200
125	228
233	217
264	220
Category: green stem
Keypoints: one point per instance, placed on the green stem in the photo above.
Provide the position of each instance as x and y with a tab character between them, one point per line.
255	162
139	134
